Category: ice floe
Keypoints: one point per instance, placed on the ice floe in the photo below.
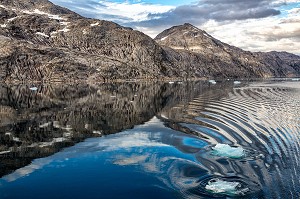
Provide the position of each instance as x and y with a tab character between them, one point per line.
224	150
225	187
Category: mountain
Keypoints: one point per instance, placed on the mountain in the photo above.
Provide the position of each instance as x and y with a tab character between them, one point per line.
226	60
44	42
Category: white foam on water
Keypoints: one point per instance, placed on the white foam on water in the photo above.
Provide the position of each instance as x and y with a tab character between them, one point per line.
237	82
225	150
225	187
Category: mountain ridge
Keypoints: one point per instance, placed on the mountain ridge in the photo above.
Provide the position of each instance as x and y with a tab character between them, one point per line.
44	42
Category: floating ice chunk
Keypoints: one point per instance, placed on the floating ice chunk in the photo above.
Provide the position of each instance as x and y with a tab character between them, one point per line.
225	150
225	187
171	82
212	81
236	82
3	25
33	88
296	79
2	6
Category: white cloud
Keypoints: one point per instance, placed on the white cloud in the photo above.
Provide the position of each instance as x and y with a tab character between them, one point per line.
272	33
134	11
255	32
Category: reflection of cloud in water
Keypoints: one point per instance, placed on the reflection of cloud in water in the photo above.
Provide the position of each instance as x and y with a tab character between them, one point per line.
131	160
125	141
36	165
139	139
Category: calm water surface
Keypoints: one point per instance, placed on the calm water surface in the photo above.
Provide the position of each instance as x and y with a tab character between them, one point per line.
151	140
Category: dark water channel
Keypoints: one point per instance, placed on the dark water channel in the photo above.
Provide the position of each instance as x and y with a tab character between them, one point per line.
151	140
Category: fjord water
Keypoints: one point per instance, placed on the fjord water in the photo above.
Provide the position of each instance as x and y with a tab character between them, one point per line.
151	140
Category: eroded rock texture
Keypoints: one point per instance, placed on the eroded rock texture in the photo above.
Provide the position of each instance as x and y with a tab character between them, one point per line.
44	42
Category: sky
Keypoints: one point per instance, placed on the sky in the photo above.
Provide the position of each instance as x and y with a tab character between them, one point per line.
254	25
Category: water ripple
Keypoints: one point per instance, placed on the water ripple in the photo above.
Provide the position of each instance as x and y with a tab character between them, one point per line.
263	120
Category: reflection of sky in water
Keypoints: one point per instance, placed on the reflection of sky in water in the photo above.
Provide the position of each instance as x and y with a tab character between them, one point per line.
113	165
154	161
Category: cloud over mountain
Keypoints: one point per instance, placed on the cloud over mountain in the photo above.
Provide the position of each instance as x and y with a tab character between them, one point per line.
268	23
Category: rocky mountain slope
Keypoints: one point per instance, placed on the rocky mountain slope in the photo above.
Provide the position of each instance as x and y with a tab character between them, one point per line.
44	42
222	59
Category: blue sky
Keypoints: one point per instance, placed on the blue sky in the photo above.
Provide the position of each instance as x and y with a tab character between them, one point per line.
255	25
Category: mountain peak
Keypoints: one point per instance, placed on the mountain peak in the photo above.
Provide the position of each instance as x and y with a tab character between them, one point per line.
189	25
187	37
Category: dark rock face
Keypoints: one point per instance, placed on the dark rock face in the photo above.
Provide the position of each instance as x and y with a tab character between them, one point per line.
44	42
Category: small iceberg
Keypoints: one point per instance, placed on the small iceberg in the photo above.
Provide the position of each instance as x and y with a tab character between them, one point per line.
296	79
33	88
171	82
212	81
226	187
237	82
224	150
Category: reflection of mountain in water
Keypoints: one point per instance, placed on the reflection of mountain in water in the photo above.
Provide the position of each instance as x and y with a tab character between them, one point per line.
261	118
39	123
